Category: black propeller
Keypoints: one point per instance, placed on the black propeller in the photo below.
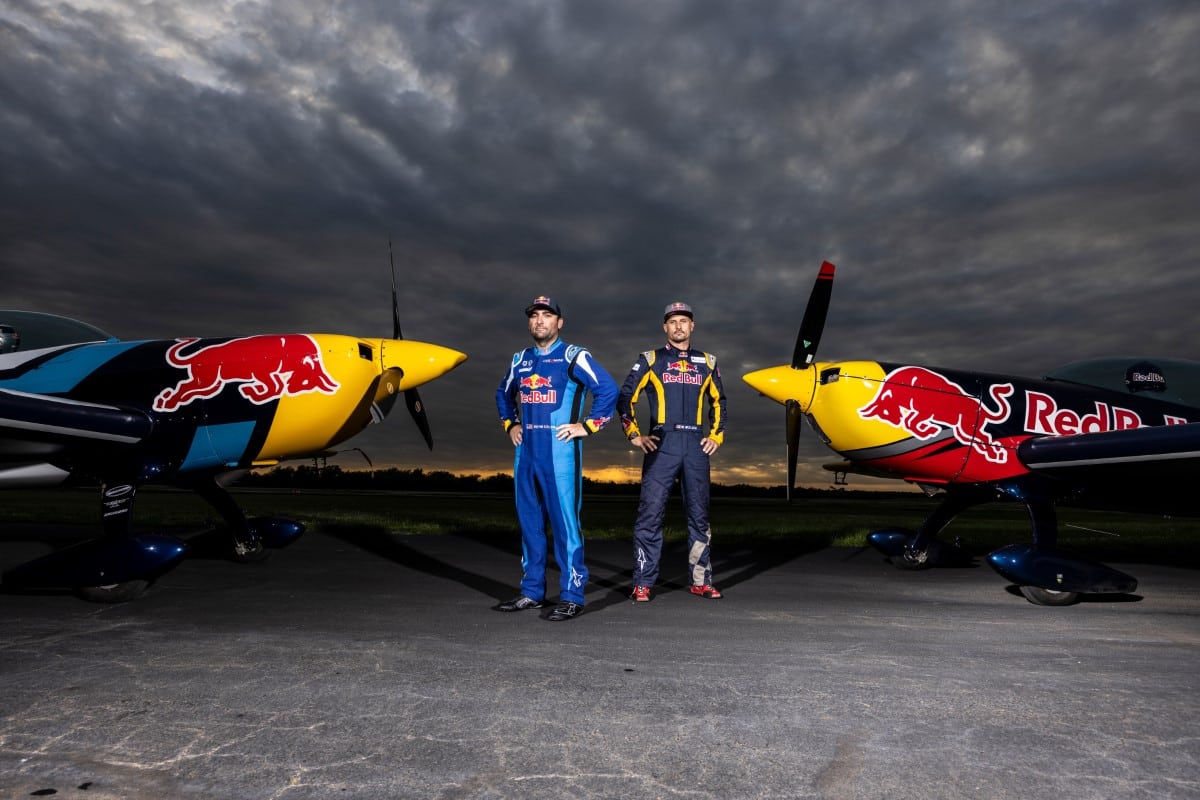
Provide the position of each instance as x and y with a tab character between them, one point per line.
807	340
411	399
794	421
814	318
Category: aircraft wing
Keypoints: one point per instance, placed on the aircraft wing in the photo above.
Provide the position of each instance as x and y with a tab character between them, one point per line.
1164	443
46	418
1155	469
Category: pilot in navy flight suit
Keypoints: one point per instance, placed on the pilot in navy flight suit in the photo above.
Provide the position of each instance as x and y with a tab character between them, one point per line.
541	401
678	382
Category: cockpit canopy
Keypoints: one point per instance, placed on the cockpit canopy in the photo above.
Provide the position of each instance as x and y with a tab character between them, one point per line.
30	330
1180	377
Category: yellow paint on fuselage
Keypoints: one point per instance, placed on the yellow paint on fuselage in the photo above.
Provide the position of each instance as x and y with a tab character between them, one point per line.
312	421
836	405
832	402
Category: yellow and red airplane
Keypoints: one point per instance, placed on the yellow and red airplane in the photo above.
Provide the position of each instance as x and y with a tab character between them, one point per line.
78	406
1118	433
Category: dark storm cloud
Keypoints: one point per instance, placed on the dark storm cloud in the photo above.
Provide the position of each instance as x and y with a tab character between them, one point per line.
1004	186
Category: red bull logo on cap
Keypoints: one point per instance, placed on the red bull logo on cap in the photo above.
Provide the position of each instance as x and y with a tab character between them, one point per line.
266	367
677	308
924	404
531	390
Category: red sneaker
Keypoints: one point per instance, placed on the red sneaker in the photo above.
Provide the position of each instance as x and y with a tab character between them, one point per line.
641	594
710	592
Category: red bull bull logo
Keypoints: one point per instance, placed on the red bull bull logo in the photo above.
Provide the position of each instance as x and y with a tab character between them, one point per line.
924	404
682	372
266	367
531	390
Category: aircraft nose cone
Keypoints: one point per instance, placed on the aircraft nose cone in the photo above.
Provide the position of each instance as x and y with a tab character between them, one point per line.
784	383
420	362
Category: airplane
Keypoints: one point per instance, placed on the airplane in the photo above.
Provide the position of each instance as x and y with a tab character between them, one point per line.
1117	433
78	406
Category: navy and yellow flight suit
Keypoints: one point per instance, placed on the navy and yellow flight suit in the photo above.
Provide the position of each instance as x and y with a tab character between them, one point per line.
678	384
541	391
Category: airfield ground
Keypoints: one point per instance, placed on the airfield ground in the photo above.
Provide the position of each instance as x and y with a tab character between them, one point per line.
373	666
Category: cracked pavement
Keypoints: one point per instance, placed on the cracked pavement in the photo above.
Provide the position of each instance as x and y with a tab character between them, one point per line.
377	669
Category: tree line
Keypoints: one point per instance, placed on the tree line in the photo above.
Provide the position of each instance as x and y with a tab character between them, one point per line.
419	480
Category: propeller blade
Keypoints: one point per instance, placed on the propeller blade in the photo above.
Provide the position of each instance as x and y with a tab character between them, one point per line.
814	318
411	399
417	409
794	419
396	334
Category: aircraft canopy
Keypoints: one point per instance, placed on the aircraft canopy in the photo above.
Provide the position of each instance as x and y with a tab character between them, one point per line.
1182	376
39	330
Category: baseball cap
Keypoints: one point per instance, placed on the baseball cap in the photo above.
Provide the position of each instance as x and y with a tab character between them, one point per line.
677	308
543	301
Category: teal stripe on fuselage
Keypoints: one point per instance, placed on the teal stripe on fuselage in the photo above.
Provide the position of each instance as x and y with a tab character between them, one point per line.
62	373
216	446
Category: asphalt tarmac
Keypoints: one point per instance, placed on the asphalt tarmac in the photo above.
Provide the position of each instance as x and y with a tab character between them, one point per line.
377	669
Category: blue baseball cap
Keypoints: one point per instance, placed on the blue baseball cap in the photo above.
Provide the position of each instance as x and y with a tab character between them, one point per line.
543	301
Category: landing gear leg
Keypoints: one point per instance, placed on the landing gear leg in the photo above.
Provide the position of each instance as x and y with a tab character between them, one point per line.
116	519
1045	537
925	550
116	509
247	546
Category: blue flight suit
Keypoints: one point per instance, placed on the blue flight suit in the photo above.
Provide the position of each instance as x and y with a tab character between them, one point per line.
541	391
678	384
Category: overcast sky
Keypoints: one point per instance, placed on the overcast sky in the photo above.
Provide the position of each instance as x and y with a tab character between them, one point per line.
1003	186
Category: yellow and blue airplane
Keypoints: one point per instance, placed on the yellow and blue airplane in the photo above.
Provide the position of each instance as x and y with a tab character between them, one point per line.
1119	433
78	406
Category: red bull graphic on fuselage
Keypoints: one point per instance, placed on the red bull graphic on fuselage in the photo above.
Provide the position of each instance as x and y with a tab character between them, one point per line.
967	427
1044	416
266	367
531	390
925	403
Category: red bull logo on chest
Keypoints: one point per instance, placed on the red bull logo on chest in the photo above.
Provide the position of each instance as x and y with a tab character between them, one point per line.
682	372
266	367
532	390
925	403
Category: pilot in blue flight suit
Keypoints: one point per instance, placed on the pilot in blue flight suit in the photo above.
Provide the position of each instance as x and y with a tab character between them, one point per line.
540	401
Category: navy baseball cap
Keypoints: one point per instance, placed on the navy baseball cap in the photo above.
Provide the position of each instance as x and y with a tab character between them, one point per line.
677	308
543	301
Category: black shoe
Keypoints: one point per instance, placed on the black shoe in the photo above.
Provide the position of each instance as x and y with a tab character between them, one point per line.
520	603
565	611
